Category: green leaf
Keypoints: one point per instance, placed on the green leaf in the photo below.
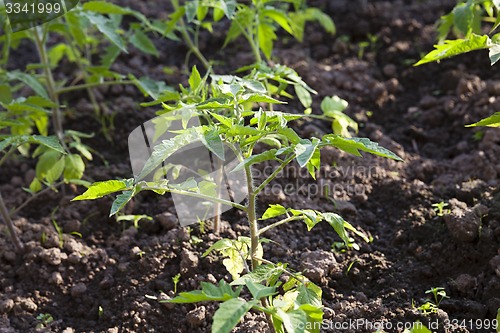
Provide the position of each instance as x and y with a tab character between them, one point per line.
353	145
266	36
195	79
498	320
314	163
211	139
494	53
239	130
305	150
491	121
121	200
310	217
294	321
444	27
258	98
28	80
265	156
230	313
51	142
218	246
103	7
333	103
463	15
55	172
105	26
6	142
290	134
5	94
142	42
278	17
268	273
149	87
223	120
74	167
46	162
309	295
273	211
323	19
451	48
337	223
258	290
304	96
168	147
208	292
35	186
100	189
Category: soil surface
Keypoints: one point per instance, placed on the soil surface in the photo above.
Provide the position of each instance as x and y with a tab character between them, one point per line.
105	280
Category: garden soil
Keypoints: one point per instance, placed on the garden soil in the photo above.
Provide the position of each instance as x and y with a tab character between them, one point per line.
110	278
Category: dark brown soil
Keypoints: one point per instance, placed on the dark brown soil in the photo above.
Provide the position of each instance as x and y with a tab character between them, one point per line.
101	281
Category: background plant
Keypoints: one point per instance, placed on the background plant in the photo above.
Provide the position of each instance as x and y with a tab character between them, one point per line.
462	31
27	117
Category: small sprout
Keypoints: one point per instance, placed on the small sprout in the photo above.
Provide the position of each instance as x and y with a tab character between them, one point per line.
350	266
439	294
134	218
45	319
100	311
195	240
175	279
58	228
432	305
439	208
343	247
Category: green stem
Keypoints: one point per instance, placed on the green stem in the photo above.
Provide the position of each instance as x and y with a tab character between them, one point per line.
185	35
7	155
254	235
191	44
36	195
197	195
10	225
217	209
276	224
91	85
274	174
252	218
51	86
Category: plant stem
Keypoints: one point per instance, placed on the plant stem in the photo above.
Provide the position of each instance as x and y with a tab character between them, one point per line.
91	85
276	224
7	155
254	235
10	225
218	182
51	86
197	195
274	174
185	35
252	218
33	197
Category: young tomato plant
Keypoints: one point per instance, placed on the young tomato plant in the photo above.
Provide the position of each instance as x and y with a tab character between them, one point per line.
466	22
257	21
230	122
82	34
